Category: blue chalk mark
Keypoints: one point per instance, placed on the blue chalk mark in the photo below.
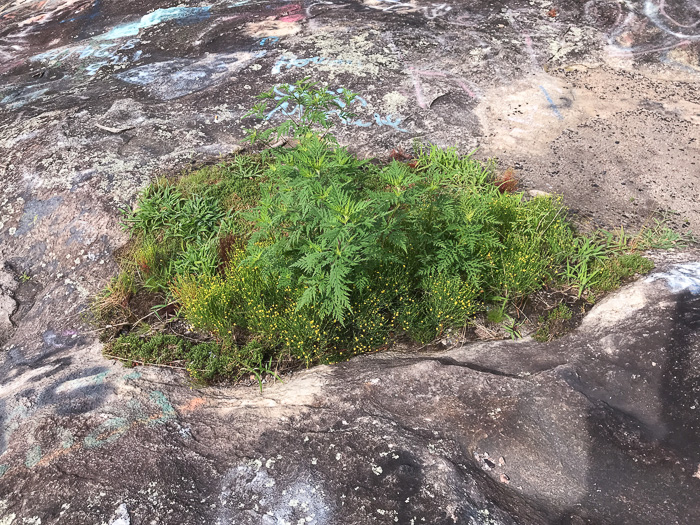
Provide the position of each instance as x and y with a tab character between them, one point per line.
107	432
22	96
389	121
552	104
132	375
3	469
33	456
293	61
68	440
98	379
137	412
184	15
379	120
168	412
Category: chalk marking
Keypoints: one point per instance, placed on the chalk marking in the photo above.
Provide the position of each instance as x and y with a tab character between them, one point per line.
110	52
180	77
293	18
271	39
294	62
397	6
552	105
33	456
618	52
680	278
105	433
651	10
82	382
528	40
308	9
182	14
192	405
662	10
298	109
621	37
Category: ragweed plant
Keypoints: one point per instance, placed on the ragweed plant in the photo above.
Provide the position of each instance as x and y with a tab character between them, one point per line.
308	254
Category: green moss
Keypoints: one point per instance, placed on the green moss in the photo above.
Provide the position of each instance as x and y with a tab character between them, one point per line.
204	360
553	324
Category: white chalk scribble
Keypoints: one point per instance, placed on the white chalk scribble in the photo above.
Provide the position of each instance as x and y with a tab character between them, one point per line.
680	277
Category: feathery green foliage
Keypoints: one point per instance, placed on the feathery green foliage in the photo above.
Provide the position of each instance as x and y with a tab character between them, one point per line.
311	254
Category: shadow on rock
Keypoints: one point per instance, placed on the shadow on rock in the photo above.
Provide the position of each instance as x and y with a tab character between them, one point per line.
643	456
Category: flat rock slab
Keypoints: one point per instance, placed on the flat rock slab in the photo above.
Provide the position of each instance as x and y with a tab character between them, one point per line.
595	100
600	426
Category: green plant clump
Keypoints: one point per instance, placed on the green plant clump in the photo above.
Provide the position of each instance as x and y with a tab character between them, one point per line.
615	270
553	325
311	254
344	255
204	361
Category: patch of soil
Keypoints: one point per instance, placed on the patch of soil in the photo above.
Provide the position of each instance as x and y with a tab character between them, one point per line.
142	303
554	314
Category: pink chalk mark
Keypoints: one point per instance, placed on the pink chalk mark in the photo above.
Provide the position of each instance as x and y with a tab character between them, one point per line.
442	74
528	43
531	50
292	18
10	65
465	88
662	10
419	90
432	73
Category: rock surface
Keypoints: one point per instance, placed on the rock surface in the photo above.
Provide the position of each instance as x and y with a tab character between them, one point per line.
600	426
595	100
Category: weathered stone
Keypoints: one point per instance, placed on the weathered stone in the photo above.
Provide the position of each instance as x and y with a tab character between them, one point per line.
596	101
8	305
600	426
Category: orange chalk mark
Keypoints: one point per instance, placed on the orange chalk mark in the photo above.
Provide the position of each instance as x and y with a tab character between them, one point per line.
192	405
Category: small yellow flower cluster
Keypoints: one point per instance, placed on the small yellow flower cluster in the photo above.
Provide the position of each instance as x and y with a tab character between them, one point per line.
451	301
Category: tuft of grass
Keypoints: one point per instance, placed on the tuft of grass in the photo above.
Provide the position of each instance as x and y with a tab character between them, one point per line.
495	315
553	324
655	237
112	303
616	270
